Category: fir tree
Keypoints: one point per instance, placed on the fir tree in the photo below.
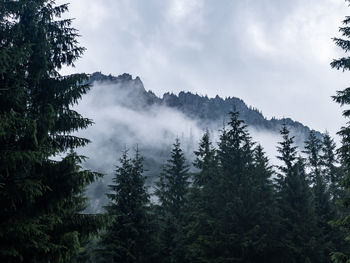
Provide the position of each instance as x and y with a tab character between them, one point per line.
202	200
298	226
127	239
41	198
288	153
312	150
238	215
265	208
205	161
324	209
172	192
230	240
331	170
343	98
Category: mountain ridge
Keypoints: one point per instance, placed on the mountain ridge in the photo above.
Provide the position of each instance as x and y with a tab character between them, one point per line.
127	116
203	108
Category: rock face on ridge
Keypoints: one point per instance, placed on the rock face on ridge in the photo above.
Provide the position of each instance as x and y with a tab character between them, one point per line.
207	110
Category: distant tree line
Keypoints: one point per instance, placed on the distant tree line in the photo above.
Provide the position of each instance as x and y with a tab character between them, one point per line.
235	208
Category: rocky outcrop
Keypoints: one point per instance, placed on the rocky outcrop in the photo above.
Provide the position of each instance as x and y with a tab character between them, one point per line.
207	110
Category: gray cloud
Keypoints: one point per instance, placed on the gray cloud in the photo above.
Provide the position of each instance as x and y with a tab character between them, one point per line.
273	54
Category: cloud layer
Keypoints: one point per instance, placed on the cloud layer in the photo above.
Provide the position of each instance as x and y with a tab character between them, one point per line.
273	54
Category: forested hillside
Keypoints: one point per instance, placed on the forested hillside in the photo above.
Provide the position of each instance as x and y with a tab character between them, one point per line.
234	206
130	116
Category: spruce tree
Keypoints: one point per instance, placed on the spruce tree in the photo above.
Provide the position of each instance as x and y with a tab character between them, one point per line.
202	200
172	192
343	98
298	225
324	209
205	162
41	197
313	147
331	170
265	208
231	242
127	239
238	216
288	154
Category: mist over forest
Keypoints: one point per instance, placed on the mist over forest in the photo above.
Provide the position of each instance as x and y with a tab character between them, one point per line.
126	116
98	168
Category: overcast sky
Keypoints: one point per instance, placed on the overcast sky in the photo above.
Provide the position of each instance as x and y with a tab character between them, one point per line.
273	54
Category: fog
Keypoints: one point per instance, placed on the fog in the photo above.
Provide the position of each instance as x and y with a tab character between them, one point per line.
122	121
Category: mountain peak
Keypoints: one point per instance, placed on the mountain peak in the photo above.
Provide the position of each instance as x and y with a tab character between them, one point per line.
124	78
207	110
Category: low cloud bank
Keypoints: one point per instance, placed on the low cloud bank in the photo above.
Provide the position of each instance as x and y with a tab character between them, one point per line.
121	123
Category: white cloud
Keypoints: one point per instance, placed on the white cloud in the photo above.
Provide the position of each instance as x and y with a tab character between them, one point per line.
182	9
258	39
273	54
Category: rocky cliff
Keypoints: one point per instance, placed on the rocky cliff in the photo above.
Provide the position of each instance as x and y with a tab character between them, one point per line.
207	110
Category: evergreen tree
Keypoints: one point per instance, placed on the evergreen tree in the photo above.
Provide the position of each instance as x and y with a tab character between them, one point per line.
127	239
331	170
266	211
231	241
202	200
298	225
41	197
343	98
288	154
172	192
238	216
205	162
324	209
312	150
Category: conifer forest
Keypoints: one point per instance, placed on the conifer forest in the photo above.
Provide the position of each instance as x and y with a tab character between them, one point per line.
223	201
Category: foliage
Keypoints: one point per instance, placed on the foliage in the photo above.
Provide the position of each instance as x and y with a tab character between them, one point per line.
41	185
127	239
172	192
297	214
343	98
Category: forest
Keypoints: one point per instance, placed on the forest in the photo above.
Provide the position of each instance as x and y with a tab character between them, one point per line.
235	206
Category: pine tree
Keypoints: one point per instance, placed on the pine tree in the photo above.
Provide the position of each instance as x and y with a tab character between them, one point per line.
127	239
343	98
172	192
41	197
298	225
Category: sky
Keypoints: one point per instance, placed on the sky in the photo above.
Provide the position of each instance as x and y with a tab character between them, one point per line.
273	54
